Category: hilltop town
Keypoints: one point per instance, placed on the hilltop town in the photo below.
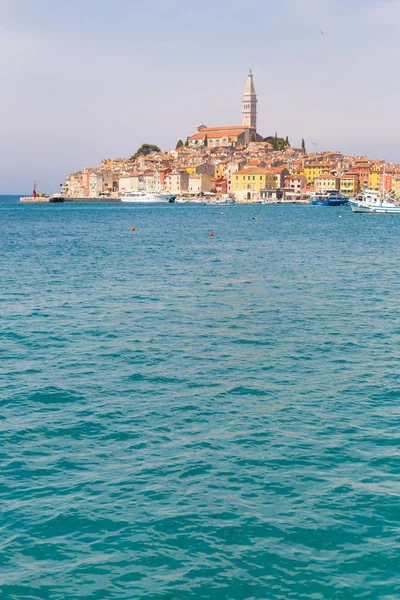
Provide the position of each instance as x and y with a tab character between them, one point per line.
233	162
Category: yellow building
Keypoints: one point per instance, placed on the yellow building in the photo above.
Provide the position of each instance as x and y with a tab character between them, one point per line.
314	170
326	182
350	184
220	169
248	183
374	180
396	184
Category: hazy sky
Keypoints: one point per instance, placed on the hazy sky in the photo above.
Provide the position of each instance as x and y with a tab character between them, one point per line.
88	79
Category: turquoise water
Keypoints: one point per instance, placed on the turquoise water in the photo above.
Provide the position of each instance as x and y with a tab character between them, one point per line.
187	417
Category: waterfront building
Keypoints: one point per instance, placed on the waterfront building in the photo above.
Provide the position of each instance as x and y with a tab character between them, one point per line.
233	167
248	182
199	184
350	184
296	183
326	182
280	173
129	183
177	182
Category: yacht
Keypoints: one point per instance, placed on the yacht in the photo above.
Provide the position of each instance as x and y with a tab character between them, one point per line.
145	197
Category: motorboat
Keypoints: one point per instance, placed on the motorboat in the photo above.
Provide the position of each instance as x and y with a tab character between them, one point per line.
371	201
329	198
145	197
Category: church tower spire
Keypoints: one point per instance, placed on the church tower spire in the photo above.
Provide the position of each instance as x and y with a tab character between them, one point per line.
250	103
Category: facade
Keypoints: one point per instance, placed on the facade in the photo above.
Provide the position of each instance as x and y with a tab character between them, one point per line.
232	168
326	182
177	182
280	173
248	183
350	184
296	183
129	184
199	184
213	137
313	170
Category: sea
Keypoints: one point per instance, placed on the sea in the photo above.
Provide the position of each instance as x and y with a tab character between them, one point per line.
186	416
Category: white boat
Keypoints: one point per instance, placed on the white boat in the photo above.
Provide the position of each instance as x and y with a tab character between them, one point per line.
370	201
144	197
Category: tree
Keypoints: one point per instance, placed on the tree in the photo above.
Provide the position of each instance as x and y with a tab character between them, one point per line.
179	144
145	150
187	142
206	141
303	145
287	141
276	142
253	138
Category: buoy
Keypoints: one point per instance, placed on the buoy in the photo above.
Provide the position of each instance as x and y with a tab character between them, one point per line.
255	218
211	234
222	213
133	228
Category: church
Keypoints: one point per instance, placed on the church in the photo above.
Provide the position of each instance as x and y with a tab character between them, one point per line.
234	135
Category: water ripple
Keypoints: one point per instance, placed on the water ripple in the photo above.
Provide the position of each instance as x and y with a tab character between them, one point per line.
187	418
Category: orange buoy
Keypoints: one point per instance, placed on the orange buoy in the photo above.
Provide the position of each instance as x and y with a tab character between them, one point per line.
133	228
211	234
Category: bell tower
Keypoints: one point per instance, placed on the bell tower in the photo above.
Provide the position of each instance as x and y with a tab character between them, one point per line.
250	104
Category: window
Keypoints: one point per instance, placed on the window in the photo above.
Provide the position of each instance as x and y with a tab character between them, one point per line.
254	177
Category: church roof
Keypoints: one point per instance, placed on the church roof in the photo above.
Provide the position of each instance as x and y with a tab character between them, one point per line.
217	132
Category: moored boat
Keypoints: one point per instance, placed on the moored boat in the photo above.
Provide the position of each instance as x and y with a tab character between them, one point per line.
329	198
145	197
370	201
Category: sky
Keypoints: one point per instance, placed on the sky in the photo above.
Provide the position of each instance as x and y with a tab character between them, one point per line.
83	80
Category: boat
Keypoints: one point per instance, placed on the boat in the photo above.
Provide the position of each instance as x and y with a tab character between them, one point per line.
329	198
56	199
372	202
167	197
144	196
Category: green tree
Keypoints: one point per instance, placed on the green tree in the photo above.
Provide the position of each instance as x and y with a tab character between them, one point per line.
187	142
303	145
206	141
276	142
253	138
287	141
145	150
179	144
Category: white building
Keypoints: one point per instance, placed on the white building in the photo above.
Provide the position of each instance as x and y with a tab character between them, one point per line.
177	183
128	184
199	184
95	185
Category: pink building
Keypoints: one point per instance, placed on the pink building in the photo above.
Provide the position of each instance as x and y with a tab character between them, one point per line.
296	183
